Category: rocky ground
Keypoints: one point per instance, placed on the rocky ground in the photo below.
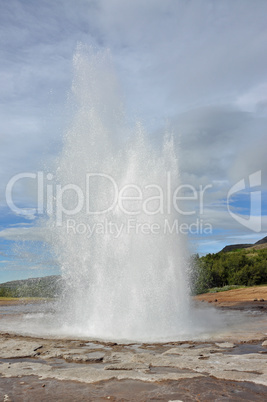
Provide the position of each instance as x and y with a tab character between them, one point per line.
233	368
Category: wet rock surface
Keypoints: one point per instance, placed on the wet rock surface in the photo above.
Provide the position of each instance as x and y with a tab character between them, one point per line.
74	370
30	388
232	367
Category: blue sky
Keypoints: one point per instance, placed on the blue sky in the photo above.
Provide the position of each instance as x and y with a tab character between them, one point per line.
200	66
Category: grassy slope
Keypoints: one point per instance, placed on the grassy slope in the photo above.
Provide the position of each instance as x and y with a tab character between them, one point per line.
232	269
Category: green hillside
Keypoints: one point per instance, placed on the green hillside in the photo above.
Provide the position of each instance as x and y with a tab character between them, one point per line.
49	286
244	267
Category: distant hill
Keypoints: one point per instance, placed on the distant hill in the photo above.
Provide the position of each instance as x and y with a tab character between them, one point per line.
262	243
48	286
47	280
232	247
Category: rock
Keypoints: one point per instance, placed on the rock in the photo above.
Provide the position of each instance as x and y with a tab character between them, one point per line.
216	300
255	299
94	357
225	345
128	366
186	345
261	300
172	351
264	343
118	357
38	347
17	348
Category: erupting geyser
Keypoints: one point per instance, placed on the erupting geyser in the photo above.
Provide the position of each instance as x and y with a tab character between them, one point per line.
123	262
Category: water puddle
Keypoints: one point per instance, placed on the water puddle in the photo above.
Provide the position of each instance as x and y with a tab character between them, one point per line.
247	348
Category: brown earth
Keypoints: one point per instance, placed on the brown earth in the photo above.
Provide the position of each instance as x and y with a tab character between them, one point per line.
31	389
14	301
255	296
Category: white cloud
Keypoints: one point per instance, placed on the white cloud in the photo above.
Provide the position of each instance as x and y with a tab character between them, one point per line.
23	234
254	100
199	65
